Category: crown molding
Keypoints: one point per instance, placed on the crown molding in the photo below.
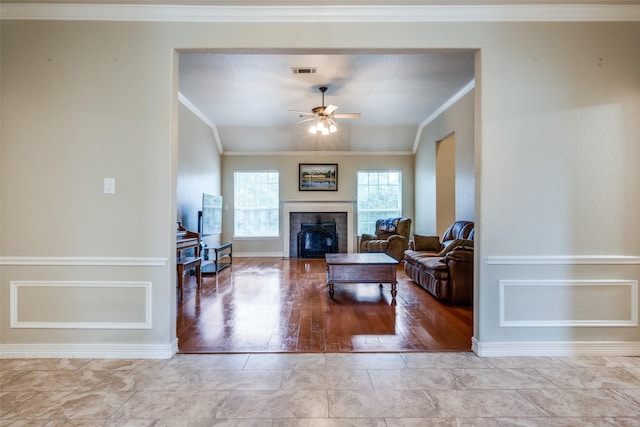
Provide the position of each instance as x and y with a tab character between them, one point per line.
331	13
318	153
195	110
444	107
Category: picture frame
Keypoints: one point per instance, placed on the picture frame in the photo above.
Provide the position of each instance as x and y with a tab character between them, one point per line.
318	177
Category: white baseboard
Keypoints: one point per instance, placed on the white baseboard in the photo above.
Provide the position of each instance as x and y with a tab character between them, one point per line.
258	254
88	351
559	349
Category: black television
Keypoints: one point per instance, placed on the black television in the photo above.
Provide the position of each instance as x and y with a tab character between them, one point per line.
210	215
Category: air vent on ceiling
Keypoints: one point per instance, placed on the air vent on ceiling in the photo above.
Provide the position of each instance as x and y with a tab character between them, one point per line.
303	70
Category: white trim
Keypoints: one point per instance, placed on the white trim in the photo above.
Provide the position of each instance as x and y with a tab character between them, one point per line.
88	351
84	261
14	315
318	153
563	260
195	110
558	349
447	104
633	304
216	136
258	255
254	238
330	13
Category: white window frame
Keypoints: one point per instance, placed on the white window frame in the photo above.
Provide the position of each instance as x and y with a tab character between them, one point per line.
273	208
364	215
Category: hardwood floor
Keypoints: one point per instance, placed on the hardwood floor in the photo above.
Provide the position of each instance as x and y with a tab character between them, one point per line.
278	305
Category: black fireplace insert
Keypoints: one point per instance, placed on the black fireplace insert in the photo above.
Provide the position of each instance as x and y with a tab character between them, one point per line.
315	240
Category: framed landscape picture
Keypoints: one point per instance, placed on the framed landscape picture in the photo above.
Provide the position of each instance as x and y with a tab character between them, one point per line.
318	177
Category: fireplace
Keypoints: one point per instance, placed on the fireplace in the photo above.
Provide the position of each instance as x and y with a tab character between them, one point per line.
323	224
315	240
317	212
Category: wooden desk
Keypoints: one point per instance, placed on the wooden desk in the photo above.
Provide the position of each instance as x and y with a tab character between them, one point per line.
361	268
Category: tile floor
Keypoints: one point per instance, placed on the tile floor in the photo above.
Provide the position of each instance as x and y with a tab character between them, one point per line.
318	389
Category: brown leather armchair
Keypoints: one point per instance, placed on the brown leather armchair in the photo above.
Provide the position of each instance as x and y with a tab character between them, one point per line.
392	237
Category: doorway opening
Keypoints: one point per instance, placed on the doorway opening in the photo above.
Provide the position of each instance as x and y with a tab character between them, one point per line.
444	197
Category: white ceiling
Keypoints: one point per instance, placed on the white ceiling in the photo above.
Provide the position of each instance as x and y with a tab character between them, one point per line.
247	96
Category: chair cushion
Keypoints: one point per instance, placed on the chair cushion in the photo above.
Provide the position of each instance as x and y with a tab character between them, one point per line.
435	264
416	257
426	243
376	245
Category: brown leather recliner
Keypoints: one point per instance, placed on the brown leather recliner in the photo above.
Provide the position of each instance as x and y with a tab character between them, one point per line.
392	237
444	269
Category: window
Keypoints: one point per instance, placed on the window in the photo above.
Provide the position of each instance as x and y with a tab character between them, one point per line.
379	196
257	204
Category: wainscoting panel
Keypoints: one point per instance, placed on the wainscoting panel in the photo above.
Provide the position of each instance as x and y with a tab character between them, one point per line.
80	305
562	303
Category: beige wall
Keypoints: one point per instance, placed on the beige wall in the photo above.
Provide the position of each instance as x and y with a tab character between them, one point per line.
199	169
287	165
557	185
459	120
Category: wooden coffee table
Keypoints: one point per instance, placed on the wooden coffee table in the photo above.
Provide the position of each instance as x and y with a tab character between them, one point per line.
361	268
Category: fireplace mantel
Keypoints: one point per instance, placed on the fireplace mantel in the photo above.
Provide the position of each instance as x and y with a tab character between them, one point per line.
317	206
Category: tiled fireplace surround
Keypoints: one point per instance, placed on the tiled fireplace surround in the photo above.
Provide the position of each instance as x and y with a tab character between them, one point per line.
298	212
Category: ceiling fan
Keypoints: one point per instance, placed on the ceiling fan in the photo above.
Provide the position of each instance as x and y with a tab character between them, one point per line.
323	116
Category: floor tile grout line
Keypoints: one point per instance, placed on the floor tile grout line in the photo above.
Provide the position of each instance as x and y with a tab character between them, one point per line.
624	397
112	416
535	405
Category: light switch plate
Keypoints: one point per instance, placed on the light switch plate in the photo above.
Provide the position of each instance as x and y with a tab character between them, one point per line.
109	186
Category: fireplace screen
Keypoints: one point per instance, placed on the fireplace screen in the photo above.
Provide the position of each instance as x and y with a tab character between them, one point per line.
315	240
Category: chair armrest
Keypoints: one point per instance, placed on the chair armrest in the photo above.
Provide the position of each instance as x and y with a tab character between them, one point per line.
460	254
366	236
397	245
460	265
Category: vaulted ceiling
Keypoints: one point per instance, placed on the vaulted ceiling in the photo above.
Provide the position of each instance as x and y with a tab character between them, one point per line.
247	97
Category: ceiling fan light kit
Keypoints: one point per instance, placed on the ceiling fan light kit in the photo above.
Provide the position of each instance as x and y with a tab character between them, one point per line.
323	117
324	127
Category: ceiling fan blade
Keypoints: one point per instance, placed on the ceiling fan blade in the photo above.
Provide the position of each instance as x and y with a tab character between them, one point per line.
302	113
347	116
306	120
329	109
